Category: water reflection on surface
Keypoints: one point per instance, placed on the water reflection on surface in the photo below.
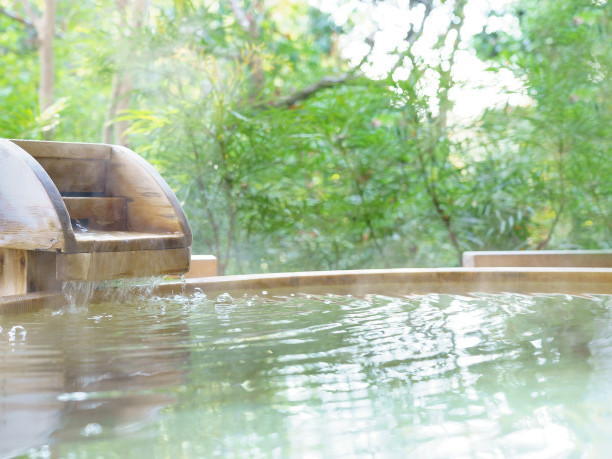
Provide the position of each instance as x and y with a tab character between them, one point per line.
68	375
422	376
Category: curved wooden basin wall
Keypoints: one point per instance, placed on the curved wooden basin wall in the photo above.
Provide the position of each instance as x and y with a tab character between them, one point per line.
575	281
84	211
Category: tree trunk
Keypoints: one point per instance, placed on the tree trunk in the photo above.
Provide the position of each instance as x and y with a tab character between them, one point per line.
132	19
249	25
113	130
45	31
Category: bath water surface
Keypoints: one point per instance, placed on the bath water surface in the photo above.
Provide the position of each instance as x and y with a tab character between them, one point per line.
310	376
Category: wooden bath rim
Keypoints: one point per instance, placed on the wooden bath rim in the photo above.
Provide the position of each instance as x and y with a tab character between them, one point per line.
577	281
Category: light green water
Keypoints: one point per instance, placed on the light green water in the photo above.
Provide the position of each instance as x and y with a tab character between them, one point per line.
311	376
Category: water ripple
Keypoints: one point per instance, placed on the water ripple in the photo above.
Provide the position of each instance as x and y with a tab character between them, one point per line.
322	375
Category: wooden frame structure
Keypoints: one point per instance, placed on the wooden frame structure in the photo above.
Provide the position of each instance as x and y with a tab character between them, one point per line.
80	212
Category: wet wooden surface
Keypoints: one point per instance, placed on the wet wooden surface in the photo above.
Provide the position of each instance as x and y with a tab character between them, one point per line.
30	302
121	265
118	241
32	214
13	272
411	281
80	199
151	205
575	281
109	188
98	213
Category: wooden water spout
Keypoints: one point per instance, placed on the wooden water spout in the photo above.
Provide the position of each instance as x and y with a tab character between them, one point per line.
79	212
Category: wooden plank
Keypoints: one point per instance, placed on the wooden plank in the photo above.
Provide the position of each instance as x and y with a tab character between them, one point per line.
202	266
13	272
32	214
41	272
118	265
76	175
574	281
30	302
120	241
43	149
23	271
108	214
539	258
152	206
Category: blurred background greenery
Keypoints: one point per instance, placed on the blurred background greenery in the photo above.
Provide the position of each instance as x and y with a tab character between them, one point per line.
303	135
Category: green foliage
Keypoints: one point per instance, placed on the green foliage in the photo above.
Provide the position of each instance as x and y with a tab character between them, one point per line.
563	58
350	171
18	90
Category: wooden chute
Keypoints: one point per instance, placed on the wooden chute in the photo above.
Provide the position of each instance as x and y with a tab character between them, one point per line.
74	211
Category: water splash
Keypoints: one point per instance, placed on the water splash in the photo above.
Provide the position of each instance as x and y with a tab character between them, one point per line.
93	428
79	294
224	305
123	290
78	226
17	333
224	299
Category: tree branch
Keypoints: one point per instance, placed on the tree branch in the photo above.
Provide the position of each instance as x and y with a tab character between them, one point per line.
36	21
324	83
446	77
560	153
248	23
430	188
413	35
303	94
16	17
